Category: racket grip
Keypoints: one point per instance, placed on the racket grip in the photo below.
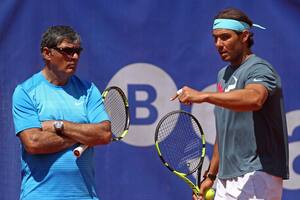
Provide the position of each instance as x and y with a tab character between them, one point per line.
79	150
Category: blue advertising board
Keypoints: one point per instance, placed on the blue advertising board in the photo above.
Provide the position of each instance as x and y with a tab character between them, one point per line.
150	49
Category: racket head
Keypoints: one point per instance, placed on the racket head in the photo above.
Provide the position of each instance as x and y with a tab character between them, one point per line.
117	108
180	143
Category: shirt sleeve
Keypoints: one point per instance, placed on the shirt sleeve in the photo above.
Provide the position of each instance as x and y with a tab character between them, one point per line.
262	74
95	107
25	114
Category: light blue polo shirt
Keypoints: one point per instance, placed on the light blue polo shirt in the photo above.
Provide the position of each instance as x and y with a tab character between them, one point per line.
57	175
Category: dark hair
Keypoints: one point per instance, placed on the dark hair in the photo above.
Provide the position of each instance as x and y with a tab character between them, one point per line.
54	35
233	13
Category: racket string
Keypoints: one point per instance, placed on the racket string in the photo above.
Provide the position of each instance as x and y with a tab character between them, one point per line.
180	142
116	109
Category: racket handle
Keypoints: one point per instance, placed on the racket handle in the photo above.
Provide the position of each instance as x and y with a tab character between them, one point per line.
79	150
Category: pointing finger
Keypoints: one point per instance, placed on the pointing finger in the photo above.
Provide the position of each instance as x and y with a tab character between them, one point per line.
177	94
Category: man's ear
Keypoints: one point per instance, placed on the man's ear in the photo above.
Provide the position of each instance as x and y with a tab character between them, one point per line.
245	36
46	53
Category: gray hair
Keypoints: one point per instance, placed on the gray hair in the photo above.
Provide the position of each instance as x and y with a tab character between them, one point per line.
54	35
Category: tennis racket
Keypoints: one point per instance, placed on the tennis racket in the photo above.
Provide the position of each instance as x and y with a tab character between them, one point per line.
116	105
180	143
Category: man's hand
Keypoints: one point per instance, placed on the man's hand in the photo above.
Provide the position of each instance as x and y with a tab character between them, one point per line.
195	197
187	95
48	126
205	185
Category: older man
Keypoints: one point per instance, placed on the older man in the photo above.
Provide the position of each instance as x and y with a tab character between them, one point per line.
54	111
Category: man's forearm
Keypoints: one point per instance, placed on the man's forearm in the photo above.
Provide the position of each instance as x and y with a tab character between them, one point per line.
214	163
251	98
248	99
36	141
89	134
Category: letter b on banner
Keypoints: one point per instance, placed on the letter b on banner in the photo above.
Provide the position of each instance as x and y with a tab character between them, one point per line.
148	89
141	98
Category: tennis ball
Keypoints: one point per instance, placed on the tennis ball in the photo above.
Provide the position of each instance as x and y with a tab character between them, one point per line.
209	194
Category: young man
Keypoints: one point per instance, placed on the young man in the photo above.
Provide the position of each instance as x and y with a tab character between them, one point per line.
53	112
251	149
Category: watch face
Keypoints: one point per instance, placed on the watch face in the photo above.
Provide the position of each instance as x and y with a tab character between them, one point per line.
211	176
58	124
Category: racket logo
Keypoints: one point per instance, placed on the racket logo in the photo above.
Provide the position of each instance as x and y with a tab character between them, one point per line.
180	143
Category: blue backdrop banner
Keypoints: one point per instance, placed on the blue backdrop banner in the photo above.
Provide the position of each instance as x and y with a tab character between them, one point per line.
149	48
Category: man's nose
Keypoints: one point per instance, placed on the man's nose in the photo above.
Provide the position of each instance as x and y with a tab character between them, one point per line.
75	56
218	43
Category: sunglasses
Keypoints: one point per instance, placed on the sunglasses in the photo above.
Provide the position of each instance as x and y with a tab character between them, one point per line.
69	51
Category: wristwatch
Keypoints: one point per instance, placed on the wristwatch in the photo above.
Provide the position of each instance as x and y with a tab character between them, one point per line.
210	176
59	127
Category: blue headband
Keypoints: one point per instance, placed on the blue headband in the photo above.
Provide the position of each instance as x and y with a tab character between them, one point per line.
232	24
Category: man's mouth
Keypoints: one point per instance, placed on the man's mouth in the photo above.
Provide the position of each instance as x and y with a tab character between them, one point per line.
71	65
